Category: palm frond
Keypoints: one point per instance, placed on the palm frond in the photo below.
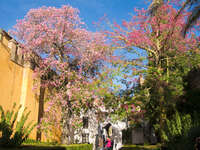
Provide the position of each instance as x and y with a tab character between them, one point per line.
192	19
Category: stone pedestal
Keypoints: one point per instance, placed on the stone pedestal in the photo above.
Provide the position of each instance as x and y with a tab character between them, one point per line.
137	136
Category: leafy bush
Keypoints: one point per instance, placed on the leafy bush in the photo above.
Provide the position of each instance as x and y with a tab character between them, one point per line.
36	142
14	132
175	127
50	145
181	131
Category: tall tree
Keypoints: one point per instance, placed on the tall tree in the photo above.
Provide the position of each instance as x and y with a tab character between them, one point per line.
70	64
160	38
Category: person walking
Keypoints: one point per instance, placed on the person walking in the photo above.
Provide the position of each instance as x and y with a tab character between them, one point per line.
108	145
101	143
97	142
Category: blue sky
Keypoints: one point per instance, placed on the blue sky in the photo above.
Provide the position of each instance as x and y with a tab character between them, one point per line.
90	10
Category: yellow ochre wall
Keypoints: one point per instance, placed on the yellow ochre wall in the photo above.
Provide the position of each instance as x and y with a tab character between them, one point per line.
16	83
10	77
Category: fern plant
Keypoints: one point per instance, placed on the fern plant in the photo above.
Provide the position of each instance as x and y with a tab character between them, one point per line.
14	132
180	132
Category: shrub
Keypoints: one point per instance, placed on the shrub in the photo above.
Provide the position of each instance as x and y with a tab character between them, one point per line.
14	132
181	131
38	143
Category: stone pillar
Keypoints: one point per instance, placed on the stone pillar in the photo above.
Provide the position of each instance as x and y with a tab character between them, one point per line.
12	44
20	56
141	80
137	136
1	35
41	109
24	89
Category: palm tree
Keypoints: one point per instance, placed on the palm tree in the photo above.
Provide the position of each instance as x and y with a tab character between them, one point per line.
192	5
195	15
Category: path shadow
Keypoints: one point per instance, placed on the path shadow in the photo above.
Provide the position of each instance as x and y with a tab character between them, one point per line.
138	148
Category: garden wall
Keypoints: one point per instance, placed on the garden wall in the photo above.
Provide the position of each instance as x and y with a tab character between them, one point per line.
16	80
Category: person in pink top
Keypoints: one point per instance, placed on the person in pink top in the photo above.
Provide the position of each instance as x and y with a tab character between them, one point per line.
108	144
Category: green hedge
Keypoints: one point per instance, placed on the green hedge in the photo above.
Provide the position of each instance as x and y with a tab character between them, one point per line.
79	147
38	143
31	142
52	147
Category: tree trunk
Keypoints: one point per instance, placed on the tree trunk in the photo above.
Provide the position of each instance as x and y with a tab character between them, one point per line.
67	130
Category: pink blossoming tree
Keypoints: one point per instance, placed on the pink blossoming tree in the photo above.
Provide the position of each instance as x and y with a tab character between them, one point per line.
157	45
71	58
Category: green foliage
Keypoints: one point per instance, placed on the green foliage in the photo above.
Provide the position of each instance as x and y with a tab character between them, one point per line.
36	142
49	146
14	132
180	131
166	90
174	127
54	145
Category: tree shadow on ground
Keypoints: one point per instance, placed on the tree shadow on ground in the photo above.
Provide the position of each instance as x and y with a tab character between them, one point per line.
136	147
35	148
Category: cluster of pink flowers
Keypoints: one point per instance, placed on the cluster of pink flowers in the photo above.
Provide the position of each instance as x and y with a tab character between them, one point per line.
70	57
